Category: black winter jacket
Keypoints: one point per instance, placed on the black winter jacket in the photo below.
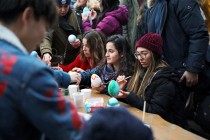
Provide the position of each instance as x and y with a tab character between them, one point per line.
164	96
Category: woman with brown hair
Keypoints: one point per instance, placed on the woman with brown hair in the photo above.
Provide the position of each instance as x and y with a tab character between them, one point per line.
91	52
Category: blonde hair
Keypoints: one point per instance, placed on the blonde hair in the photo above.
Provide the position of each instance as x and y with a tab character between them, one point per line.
139	80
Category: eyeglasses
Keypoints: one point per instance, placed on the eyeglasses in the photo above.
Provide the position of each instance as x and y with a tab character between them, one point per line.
141	55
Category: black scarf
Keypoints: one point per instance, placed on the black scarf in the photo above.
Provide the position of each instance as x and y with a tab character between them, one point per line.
63	24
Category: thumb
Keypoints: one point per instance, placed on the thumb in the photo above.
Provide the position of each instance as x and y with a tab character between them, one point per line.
182	78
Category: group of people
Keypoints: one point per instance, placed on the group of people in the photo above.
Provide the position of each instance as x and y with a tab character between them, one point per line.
164	53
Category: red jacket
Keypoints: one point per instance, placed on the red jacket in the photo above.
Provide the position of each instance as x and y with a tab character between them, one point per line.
85	65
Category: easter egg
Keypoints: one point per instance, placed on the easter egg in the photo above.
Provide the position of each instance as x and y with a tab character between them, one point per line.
72	38
85	10
95	80
34	53
113	88
113	102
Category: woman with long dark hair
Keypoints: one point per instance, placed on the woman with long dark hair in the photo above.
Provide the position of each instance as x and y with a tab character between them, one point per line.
118	61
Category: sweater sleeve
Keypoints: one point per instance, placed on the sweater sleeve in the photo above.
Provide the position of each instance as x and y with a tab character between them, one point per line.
108	25
75	63
160	100
46	108
62	78
45	47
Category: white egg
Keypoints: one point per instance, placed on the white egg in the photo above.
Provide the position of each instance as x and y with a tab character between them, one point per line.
72	38
95	80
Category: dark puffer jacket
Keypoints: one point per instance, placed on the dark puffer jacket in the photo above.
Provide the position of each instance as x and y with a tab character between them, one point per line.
164	96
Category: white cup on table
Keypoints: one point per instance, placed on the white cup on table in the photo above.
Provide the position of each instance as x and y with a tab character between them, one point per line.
72	89
78	99
86	93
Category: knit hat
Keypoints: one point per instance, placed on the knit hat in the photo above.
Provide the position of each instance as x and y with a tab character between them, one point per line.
115	123
152	42
62	2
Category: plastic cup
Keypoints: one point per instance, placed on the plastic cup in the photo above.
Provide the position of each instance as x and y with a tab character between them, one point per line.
72	89
86	93
78	99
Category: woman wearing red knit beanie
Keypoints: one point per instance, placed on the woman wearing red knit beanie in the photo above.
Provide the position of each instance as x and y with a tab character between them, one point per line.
154	82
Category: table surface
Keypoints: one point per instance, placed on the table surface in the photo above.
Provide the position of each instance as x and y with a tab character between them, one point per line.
162	130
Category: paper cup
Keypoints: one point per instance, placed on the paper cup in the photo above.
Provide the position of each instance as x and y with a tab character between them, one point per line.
72	89
86	93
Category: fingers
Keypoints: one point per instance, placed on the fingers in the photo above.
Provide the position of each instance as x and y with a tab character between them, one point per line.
182	78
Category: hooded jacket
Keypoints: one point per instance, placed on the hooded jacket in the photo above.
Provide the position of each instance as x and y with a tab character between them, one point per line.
112	22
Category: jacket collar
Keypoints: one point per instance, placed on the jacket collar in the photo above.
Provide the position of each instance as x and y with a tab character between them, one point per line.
8	36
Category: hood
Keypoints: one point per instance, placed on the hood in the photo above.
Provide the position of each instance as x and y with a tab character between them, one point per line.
121	14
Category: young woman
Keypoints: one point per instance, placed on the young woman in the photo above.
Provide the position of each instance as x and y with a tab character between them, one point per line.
109	20
91	53
118	61
154	82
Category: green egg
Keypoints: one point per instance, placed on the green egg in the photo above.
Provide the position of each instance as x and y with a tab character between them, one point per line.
113	88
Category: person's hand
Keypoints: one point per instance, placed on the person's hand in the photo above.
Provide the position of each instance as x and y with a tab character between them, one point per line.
47	59
93	14
191	78
75	77
122	94
98	89
76	43
121	81
77	70
85	16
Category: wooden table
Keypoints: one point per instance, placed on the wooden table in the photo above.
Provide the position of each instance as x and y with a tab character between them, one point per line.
162	130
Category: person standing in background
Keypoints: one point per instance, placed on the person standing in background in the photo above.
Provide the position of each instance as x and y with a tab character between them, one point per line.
56	42
72	4
184	32
130	30
110	20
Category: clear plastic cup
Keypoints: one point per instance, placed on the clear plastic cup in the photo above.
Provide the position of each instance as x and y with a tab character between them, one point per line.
78	99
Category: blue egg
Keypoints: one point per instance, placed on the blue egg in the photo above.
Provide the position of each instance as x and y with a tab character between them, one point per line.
86	10
113	88
113	102
34	53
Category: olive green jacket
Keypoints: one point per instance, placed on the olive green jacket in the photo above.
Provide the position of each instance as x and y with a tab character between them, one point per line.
56	42
129	30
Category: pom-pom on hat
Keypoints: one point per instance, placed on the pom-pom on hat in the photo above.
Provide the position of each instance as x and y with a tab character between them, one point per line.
62	2
115	123
152	42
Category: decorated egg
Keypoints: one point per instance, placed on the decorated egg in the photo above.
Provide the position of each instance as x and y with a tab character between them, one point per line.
113	102
72	38
95	80
113	88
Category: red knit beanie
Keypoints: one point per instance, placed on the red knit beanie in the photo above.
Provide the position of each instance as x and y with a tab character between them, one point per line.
152	42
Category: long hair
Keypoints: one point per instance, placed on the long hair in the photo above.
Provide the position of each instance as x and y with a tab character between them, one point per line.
96	41
127	61
140	78
108	5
